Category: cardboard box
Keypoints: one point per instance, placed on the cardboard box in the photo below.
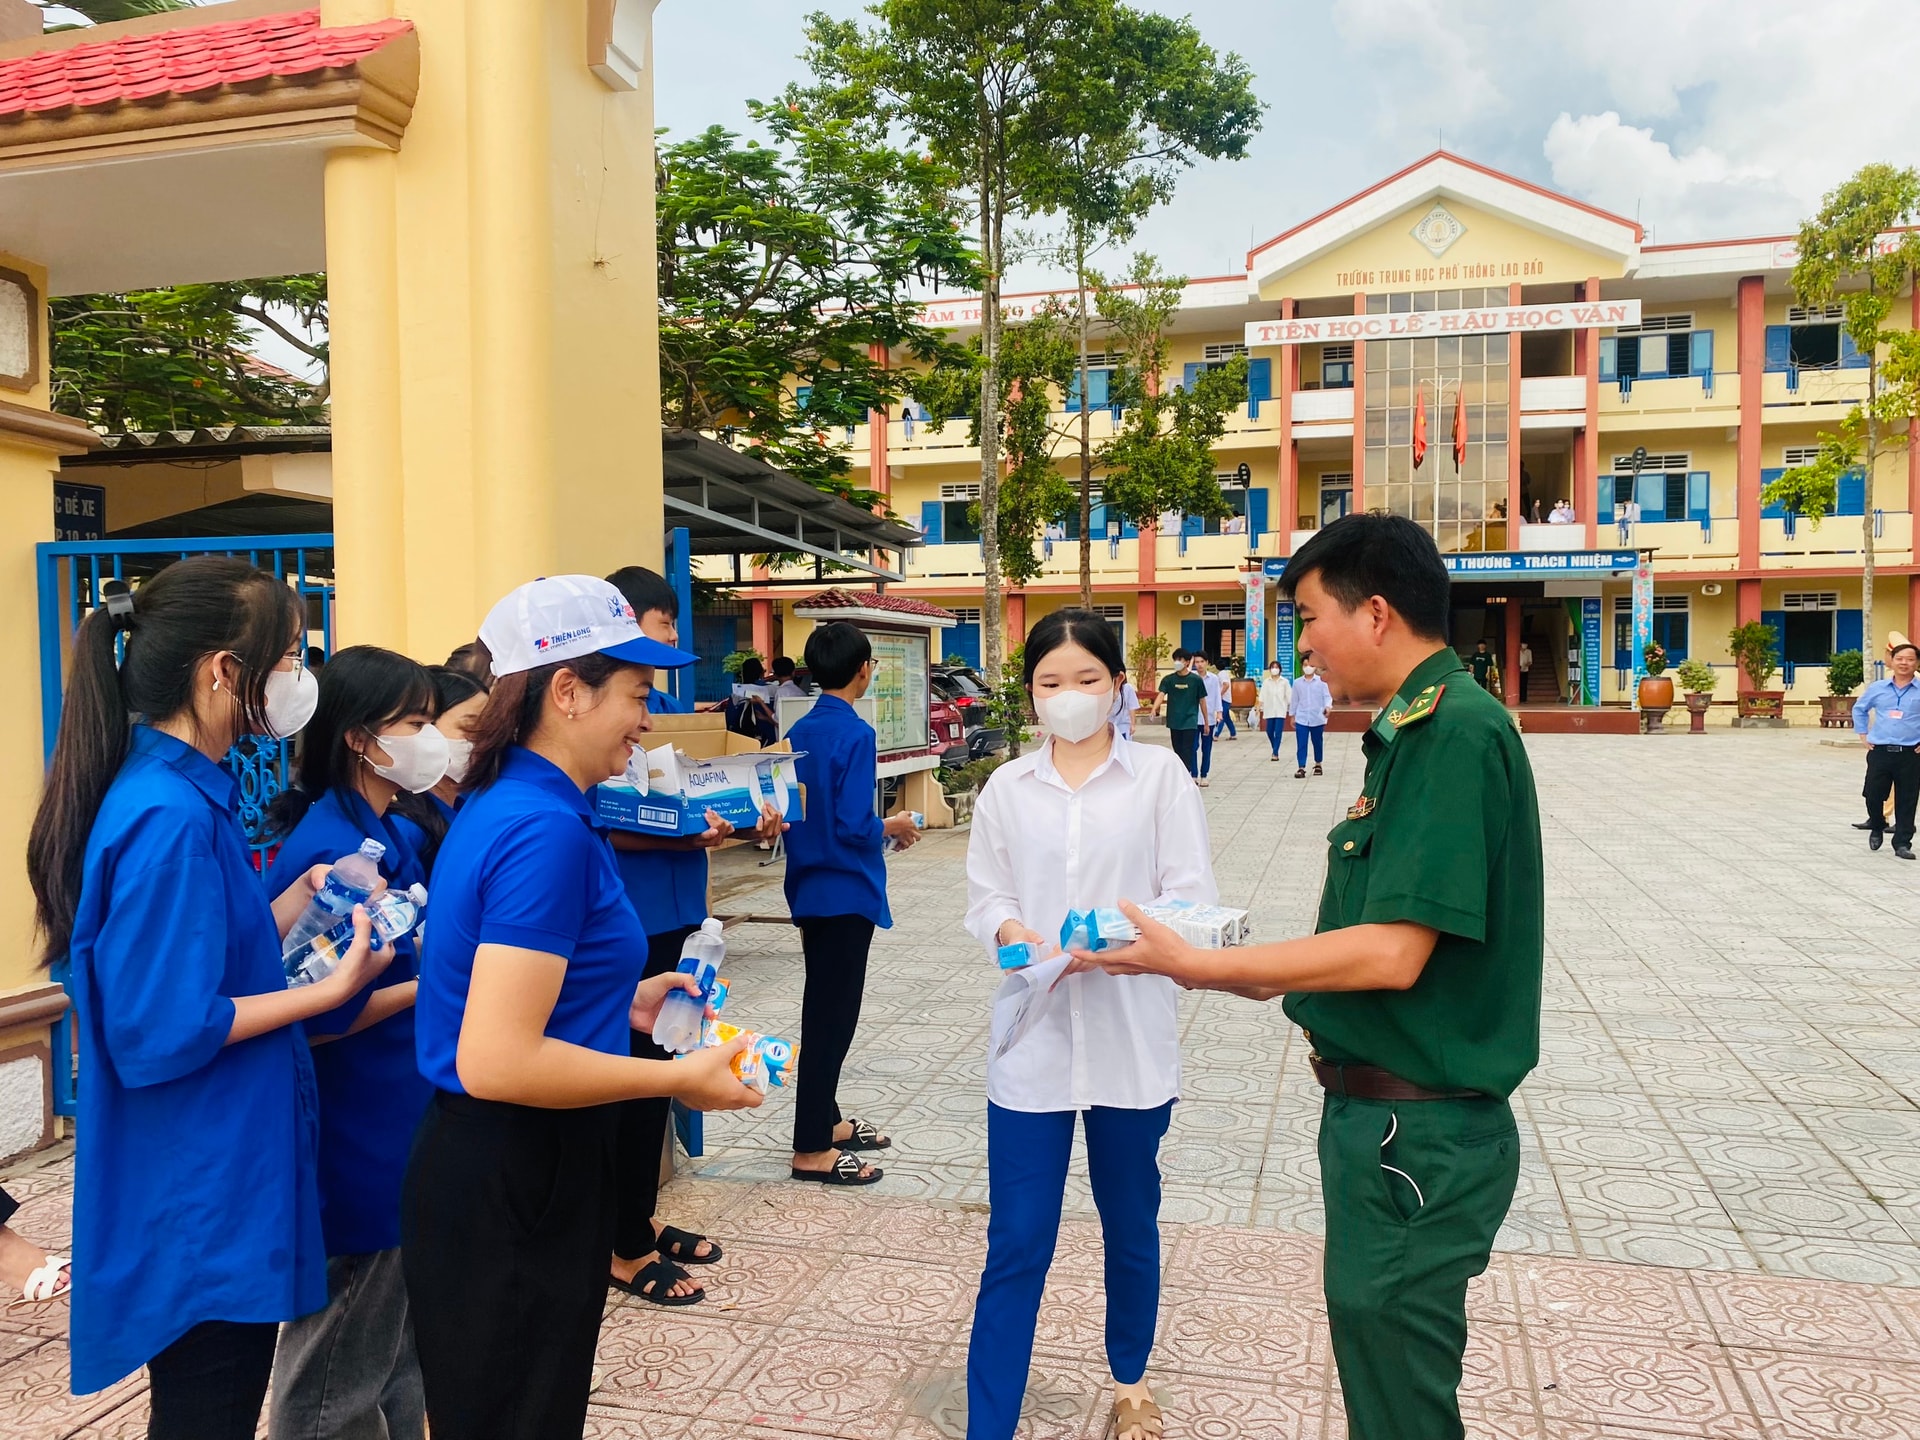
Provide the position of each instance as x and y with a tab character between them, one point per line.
1208	927
682	788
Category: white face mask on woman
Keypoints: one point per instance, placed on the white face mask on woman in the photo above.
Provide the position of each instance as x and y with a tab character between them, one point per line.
1073	715
291	698
419	760
459	759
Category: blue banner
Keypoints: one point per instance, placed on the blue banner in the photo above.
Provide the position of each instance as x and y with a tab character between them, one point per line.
1274	568
1642	623
1590	650
1256	650
79	511
1283	637
1495	564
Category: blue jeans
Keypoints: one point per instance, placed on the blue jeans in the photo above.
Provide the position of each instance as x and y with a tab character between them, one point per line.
1226	722
1206	749
1027	1157
1276	727
1300	736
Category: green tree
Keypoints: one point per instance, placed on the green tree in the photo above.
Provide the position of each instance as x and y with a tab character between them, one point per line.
182	357
1162	459
105	12
787	274
1856	251
1147	100
975	81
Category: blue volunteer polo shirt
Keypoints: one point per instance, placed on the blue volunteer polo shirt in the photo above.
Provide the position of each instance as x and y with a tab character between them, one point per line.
835	861
524	866
371	1092
668	888
194	1195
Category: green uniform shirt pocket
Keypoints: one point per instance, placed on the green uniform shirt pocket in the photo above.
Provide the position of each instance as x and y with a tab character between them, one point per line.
1349	848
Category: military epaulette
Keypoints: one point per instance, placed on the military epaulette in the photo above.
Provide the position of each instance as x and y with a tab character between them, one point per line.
1419	708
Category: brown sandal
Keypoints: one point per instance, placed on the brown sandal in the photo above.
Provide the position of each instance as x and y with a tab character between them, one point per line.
1142	1415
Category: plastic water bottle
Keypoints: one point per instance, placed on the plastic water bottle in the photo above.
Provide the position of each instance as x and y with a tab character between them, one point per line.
682	1017
352	879
889	844
393	916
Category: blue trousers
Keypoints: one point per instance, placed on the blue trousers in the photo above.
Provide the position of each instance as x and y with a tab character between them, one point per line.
1027	1157
1226	722
1301	734
1276	727
1206	749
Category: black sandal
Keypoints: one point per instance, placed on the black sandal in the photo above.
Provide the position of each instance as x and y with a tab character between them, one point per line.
845	1171
679	1246
864	1137
654	1283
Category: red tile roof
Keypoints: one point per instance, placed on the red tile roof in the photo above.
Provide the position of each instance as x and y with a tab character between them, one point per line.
185	61
863	600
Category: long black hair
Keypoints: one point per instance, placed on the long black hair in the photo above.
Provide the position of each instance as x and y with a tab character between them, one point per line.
451	687
187	611
362	690
1072	626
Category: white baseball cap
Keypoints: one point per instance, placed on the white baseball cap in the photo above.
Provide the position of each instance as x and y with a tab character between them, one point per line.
562	617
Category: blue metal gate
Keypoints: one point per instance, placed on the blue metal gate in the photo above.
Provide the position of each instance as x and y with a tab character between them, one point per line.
70	574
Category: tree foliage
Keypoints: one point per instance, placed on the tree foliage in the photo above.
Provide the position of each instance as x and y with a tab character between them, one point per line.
106	12
1162	459
783	264
182	357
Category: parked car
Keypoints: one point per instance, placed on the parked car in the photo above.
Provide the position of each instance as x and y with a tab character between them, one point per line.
948	724
964	689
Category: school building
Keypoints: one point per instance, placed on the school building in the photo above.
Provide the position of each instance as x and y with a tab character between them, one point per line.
1580	365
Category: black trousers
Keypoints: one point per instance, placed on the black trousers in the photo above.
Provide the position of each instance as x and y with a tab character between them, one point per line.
211	1382
7	1206
836	953
643	1127
1896	773
1186	744
506	1222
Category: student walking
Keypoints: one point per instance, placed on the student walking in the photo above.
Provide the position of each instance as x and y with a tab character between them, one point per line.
1276	700
1182	697
1088	819
530	988
350	1369
1311	700
837	893
1209	715
196	1215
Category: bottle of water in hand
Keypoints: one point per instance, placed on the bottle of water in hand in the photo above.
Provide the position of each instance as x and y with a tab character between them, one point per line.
352	879
391	917
683	1015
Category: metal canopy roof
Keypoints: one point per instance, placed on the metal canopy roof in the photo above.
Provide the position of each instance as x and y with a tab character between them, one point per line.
736	504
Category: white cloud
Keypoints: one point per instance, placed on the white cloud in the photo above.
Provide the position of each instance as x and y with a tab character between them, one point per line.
1623	168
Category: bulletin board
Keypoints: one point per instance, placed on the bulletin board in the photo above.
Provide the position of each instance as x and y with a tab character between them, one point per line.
900	692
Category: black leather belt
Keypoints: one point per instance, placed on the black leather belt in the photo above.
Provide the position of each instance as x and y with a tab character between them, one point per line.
1899	749
1370	1082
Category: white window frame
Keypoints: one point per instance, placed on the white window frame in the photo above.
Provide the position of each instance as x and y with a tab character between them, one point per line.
1803	601
960	491
1223	610
1336	352
1675	462
1816	314
1660	324
1793	456
1672	604
1111	612
1223	351
1336	480
965	614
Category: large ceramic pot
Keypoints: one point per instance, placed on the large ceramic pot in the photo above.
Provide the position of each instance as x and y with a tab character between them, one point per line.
1656	692
1244	694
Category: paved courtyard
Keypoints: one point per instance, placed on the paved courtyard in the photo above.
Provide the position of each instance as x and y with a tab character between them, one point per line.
1718	1224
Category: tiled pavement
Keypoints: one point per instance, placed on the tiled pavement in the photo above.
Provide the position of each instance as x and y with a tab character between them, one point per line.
1718	1225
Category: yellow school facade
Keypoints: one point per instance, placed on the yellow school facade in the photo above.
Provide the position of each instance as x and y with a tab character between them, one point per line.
1587	371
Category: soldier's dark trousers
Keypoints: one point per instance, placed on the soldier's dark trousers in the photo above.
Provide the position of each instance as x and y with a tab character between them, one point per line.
1414	1193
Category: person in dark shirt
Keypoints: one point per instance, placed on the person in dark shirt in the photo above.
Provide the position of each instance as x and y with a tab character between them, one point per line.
1182	694
1481	664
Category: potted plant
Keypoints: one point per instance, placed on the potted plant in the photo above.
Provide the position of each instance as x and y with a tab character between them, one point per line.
1144	658
1753	650
1656	690
1242	693
1845	672
1696	681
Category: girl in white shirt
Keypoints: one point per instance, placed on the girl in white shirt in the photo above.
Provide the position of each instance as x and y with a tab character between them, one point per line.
1088	820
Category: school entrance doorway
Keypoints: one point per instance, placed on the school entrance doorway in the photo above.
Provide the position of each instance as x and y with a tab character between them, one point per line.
1512	617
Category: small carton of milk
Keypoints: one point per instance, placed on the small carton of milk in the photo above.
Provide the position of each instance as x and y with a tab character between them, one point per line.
1206	927
667	793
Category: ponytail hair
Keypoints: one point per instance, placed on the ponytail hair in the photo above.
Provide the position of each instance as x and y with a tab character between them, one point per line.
189	610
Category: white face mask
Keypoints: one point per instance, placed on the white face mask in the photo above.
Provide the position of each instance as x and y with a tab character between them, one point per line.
459	759
419	761
291	699
1075	714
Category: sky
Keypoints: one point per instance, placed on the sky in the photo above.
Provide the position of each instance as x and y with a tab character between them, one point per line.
1704	119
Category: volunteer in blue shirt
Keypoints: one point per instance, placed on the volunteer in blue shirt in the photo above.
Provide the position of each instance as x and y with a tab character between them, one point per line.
458	699
1886	717
529	986
349	1370
666	879
196	1218
836	893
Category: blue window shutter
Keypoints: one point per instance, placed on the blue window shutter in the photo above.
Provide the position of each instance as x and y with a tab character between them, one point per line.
931	514
1853	492
1778	620
1779	348
1190	373
1191	525
1129	531
1699	495
1847	631
1609	358
964	641
1099	386
1603	498
1773	510
802	396
1071	393
1700	352
1259	385
1850	357
1652	495
1190	636
1257	512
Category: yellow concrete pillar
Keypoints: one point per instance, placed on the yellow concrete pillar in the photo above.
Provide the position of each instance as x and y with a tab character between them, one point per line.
363	314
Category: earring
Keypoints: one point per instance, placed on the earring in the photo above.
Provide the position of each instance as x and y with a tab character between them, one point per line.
569	714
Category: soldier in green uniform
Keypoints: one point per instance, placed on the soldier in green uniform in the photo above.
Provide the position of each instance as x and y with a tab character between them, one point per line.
1419	991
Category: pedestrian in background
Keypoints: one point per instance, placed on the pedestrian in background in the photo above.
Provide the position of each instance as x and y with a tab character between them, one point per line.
1223	673
1126	700
1311	700
1276	700
1182	697
1886	717
1209	715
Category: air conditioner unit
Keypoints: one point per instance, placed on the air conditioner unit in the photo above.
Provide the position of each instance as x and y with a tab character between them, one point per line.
1186	599
1712	587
